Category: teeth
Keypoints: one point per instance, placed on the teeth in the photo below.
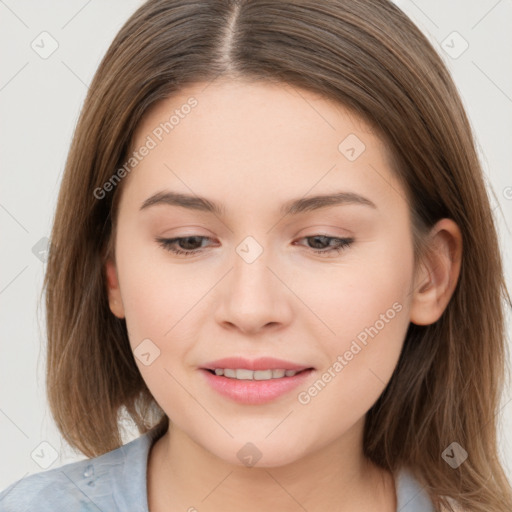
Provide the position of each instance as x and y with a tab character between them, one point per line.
243	374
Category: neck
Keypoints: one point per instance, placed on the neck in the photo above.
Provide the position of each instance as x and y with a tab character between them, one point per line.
182	475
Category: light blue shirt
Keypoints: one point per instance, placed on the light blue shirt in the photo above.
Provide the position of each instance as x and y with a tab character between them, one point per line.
116	482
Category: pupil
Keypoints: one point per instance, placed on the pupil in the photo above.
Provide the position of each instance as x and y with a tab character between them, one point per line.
187	240
316	241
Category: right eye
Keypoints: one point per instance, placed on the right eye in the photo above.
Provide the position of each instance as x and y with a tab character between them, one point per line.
181	245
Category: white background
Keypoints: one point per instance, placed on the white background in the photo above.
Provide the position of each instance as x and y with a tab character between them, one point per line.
40	100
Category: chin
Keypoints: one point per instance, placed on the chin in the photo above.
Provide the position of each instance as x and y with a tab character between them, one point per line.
259	454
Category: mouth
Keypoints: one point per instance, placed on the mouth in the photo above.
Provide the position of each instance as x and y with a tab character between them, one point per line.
255	387
258	375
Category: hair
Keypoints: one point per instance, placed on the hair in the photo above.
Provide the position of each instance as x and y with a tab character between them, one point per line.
369	57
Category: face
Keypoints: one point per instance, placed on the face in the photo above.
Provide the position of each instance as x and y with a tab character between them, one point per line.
323	286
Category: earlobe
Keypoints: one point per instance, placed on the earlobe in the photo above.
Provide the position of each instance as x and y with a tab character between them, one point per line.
113	290
438	274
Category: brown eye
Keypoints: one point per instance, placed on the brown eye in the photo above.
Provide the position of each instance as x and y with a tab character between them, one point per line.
187	245
322	244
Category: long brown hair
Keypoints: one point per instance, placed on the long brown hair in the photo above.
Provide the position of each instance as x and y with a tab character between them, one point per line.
370	57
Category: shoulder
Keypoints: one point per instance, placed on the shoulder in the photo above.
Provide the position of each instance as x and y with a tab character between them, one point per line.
84	486
45	490
411	497
455	506
60	488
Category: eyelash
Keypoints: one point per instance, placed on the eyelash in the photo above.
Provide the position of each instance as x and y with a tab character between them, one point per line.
169	245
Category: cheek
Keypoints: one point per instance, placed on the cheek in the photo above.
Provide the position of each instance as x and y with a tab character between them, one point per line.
156	294
367	313
156	299
352	295
362	305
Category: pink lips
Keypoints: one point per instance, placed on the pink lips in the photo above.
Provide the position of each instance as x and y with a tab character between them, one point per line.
262	363
254	392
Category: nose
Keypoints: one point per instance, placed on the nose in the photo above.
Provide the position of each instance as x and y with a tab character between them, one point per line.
254	295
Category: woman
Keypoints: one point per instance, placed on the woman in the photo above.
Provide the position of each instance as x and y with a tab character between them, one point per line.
270	366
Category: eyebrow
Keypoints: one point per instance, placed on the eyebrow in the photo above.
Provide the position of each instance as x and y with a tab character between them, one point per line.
291	207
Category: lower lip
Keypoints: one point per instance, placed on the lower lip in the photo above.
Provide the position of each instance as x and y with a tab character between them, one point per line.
254	392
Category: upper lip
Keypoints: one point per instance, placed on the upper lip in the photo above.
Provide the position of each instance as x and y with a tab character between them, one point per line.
262	363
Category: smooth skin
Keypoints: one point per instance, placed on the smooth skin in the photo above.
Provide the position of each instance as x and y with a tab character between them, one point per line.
250	147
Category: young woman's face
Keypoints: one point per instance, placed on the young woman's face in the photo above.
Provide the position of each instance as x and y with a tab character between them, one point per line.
325	286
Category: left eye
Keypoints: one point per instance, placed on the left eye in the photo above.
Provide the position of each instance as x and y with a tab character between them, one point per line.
339	243
188	245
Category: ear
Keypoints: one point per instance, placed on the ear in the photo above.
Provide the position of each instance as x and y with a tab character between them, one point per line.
114	292
436	278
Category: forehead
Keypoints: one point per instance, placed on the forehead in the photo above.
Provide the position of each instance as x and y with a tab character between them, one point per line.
248	112
255	141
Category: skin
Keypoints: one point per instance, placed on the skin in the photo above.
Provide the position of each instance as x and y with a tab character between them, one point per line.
251	147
